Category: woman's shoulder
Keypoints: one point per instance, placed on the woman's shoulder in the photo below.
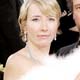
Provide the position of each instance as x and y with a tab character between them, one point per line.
15	57
17	64
19	58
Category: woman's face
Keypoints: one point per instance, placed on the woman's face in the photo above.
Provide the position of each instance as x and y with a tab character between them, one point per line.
41	29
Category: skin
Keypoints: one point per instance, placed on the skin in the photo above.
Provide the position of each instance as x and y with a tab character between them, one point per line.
41	30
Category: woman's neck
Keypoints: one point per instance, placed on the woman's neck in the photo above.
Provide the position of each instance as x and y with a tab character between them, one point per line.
37	52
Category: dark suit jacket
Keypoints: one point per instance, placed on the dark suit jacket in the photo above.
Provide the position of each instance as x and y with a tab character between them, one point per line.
67	49
10	40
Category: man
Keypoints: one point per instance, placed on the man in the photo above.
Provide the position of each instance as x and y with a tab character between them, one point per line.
76	17
10	40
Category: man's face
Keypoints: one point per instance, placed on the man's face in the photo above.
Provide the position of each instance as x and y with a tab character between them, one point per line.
76	12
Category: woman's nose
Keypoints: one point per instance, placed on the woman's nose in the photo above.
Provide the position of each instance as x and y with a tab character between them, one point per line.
44	26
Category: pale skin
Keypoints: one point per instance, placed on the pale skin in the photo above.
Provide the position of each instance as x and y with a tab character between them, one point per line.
76	17
41	30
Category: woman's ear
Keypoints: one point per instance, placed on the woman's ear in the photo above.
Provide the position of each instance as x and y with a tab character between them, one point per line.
24	37
59	23
24	31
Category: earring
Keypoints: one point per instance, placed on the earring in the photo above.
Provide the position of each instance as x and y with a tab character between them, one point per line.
24	37
55	38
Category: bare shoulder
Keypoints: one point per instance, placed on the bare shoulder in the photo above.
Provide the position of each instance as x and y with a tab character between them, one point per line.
17	64
16	57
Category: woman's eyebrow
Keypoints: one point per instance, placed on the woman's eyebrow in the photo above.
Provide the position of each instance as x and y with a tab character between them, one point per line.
35	15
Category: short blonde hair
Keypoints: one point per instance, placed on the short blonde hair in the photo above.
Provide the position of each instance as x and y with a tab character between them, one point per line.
47	7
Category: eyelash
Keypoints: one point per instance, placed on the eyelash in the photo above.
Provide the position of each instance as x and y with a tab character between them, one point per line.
35	19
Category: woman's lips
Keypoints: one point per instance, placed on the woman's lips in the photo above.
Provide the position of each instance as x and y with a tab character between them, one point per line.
43	36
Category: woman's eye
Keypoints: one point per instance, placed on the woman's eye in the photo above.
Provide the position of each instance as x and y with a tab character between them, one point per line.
35	19
51	19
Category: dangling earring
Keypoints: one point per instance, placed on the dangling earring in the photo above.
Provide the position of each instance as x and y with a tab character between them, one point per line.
55	38
25	37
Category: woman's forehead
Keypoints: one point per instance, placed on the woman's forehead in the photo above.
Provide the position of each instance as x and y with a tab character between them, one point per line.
34	9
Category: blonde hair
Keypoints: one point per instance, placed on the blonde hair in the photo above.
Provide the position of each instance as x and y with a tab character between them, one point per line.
47	7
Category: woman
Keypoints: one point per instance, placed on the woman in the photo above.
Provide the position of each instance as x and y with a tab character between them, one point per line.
39	22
